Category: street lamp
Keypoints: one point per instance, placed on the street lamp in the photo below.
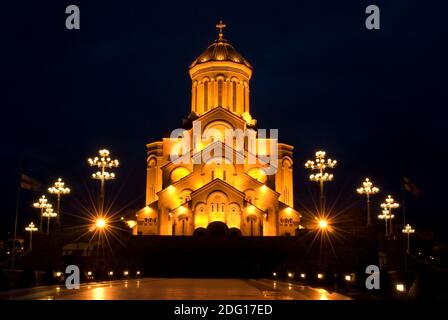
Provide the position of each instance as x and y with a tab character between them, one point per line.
59	189
48	213
386	215
100	223
323	224
42	204
103	162
31	228
320	164
408	231
390	205
368	189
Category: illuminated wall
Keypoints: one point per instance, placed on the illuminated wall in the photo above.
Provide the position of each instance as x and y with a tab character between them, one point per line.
184	199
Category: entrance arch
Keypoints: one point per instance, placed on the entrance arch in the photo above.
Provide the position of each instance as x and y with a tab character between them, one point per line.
217	229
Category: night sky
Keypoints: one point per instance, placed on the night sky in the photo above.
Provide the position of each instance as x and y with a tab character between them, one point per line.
374	100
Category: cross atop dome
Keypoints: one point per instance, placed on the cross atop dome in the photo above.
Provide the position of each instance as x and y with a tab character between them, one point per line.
220	26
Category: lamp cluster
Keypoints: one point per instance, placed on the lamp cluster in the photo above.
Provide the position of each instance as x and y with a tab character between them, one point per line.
367	188
320	164
59	188
103	162
31	227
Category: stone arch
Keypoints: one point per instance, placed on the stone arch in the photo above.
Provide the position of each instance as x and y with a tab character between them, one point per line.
217	229
219	167
234	215
178	173
234	232
258	174
250	196
217	202
200	215
185	196
199	232
216	130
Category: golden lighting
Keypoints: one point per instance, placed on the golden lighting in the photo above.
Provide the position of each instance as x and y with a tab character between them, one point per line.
290	274
89	273
100	223
111	273
348	278
302	275
179	173
125	273
58	274
323	224
323	294
31	227
103	162
138	273
59	188
274	274
320	276
400	287
408	229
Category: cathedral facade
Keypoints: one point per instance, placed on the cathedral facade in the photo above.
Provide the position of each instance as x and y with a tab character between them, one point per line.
218	175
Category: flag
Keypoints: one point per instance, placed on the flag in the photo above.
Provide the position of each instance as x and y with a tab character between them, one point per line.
29	183
411	187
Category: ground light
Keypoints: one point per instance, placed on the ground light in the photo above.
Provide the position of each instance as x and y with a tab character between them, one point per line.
399	287
323	224
100	223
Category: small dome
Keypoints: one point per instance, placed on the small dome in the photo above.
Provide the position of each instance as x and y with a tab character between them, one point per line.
220	50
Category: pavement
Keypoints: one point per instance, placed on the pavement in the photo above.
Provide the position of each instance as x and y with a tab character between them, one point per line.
178	289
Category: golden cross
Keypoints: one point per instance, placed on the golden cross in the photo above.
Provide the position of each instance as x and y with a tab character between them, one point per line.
220	26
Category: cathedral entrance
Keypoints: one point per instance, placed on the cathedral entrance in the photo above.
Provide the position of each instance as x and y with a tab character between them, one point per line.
217	229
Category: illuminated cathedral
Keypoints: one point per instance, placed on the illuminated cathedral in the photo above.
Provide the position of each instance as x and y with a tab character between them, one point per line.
227	194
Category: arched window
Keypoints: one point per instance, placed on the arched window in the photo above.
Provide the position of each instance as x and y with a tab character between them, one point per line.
244	98
220	92
234	96
206	96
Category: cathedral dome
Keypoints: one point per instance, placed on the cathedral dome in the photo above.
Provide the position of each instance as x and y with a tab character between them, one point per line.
220	50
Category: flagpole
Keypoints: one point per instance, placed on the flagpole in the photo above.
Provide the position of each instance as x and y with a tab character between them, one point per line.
403	195
17	214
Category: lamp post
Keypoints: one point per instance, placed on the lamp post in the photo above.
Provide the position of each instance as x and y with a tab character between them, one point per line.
59	189
320	164
368	189
101	226
42	204
31	228
103	162
390	205
48	213
386	215
408	231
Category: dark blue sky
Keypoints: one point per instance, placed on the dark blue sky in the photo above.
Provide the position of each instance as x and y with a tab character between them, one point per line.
372	99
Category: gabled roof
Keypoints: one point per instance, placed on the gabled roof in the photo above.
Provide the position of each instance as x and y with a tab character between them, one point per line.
214	184
225	114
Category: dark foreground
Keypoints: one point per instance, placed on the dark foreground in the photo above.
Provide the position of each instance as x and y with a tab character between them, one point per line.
178	289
